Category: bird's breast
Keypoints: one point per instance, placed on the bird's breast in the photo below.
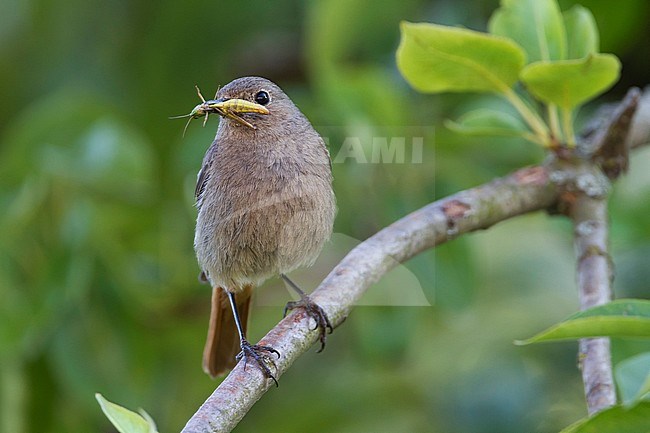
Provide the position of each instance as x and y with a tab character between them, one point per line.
263	215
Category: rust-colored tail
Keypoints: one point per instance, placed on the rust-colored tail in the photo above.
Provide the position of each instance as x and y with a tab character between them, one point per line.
223	339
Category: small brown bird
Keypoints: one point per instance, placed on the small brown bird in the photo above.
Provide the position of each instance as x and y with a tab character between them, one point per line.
265	207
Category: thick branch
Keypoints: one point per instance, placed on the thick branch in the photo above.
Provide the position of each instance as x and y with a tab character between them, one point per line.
524	191
595	275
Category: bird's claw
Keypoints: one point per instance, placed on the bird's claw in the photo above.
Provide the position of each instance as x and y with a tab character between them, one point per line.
263	360
317	313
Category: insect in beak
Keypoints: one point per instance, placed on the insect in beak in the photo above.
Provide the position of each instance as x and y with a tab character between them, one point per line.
230	108
201	110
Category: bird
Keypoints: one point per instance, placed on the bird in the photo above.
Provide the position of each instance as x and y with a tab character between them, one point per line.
265	207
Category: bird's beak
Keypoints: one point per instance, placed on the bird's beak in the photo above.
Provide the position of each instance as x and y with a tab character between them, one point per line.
233	108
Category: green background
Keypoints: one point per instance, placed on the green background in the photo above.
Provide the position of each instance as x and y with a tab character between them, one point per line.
98	279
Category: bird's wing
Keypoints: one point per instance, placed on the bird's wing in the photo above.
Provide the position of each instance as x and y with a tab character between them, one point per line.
202	179
204	174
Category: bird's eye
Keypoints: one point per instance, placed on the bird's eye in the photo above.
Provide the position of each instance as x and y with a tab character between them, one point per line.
262	97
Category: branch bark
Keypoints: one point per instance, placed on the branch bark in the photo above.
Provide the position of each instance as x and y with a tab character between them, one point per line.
639	134
595	275
612	151
609	156
524	191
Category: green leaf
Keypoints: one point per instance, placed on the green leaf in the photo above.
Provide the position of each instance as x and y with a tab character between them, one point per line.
124	420
434	58
619	307
615	420
536	25
582	33
633	378
488	122
621	318
569	83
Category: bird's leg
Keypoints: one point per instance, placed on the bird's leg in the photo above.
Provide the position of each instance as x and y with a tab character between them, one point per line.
312	309
253	351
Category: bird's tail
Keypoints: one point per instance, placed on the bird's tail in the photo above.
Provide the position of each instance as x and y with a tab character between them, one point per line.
223	342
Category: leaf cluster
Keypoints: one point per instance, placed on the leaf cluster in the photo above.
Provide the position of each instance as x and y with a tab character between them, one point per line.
554	55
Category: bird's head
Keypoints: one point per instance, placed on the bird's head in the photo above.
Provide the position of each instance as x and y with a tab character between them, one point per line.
254	102
249	103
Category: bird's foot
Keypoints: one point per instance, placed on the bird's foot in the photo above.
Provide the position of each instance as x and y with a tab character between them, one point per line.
261	356
314	311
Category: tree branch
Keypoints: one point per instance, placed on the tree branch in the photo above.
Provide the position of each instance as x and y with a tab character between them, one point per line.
582	186
587	204
595	275
524	191
640	129
611	147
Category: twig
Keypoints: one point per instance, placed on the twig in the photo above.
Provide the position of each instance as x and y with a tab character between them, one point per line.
595	275
588	210
640	130
524	191
610	147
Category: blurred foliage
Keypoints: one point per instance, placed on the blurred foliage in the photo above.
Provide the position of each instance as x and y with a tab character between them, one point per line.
97	273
